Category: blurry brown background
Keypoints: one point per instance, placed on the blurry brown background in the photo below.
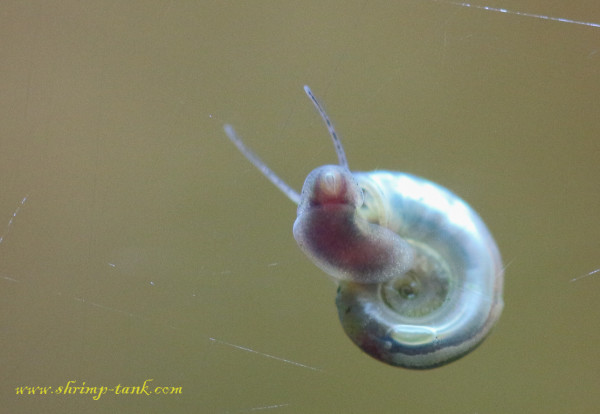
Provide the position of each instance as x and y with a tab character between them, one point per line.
148	248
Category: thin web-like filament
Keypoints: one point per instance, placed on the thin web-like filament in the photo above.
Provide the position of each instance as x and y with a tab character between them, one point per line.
258	163
586	275
12	219
243	348
336	141
519	13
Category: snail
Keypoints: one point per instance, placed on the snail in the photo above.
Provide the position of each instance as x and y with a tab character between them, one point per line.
419	275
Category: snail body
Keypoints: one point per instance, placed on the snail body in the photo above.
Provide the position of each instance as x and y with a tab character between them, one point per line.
419	275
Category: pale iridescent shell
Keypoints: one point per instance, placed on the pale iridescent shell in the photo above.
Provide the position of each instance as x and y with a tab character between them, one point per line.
446	305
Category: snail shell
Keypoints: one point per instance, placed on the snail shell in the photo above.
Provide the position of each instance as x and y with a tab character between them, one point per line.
447	303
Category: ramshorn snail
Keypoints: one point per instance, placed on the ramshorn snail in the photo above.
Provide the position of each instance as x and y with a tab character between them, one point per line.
419	275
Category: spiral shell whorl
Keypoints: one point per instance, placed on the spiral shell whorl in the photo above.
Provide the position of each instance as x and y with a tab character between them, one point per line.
448	302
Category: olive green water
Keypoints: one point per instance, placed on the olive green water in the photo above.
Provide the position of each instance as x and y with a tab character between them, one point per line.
138	244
